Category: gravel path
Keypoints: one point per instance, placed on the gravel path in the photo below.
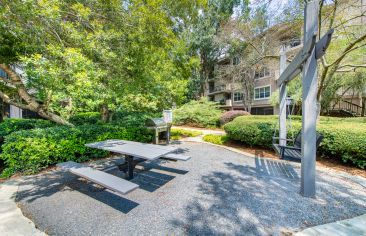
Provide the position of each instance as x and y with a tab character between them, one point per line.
216	192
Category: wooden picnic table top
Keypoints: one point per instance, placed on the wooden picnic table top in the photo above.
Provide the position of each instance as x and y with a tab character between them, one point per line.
135	149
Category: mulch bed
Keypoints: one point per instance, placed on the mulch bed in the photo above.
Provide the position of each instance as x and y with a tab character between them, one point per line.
321	161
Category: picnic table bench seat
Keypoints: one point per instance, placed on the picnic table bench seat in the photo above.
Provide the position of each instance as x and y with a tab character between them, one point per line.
178	157
106	180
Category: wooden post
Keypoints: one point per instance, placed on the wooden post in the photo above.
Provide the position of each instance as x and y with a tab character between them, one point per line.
309	105
282	101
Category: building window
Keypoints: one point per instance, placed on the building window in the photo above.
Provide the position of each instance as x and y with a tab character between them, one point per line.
262	93
238	97
264	72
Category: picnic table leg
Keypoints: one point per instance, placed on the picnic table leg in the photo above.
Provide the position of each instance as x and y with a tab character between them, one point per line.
130	166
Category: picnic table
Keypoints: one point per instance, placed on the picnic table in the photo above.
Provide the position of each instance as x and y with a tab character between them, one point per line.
134	152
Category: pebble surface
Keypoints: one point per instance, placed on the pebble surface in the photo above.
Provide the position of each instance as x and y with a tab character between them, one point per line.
216	192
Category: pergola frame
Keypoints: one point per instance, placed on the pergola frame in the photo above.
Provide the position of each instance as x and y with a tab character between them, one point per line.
306	62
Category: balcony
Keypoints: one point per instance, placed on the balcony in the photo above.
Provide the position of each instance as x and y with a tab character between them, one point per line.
225	103
220	89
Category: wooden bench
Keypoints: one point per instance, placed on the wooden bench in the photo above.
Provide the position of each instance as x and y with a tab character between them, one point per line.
106	180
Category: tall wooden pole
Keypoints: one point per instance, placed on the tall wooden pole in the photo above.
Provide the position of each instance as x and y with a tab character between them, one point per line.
282	98
309	105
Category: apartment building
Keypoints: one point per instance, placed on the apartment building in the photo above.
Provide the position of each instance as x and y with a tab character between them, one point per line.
229	94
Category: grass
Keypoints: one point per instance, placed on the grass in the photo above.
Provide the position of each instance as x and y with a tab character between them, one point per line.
176	134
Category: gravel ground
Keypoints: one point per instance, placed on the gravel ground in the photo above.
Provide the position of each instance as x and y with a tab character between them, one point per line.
216	192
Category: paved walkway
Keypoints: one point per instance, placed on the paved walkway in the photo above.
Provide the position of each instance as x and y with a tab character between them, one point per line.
12	221
351	227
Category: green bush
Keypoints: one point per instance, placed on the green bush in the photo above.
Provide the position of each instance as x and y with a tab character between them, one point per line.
200	113
9	126
228	116
30	151
216	139
344	139
133	119
177	134
125	119
85	118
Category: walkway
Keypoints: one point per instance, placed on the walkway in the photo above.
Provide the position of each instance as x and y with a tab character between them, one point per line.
351	227
12	221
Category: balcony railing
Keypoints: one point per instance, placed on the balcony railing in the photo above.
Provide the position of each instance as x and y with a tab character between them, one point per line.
220	88
225	102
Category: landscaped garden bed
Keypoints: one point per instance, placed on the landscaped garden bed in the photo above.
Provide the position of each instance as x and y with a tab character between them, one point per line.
30	145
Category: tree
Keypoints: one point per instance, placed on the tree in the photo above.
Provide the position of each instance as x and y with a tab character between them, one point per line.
348	44
205	30
256	44
92	54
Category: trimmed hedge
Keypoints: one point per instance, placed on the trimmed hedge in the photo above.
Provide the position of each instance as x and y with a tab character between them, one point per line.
134	119
9	126
231	115
200	113
344	138
125	119
85	118
30	151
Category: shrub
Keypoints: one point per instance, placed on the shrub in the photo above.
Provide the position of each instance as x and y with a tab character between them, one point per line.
200	113
9	126
133	119
85	118
177	134
216	139
231	115
344	139
32	150
125	119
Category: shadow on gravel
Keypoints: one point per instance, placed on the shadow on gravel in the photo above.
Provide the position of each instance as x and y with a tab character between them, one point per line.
263	199
48	184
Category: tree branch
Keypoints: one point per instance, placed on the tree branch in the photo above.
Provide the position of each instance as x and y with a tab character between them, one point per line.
8	100
354	66
349	49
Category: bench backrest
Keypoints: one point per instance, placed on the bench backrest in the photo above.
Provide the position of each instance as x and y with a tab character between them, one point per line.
297	142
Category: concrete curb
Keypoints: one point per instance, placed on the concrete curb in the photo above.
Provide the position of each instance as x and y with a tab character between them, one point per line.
12	221
351	227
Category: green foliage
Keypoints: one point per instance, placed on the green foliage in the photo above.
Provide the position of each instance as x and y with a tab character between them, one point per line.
30	151
9	126
344	138
228	116
200	113
131	55
125	119
216	139
177	134
85	118
133	119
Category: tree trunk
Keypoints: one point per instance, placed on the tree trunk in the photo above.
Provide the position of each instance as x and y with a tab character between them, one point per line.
31	103
53	117
104	113
363	110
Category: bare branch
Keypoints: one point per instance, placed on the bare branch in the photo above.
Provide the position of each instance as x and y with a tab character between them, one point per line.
354	66
351	47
